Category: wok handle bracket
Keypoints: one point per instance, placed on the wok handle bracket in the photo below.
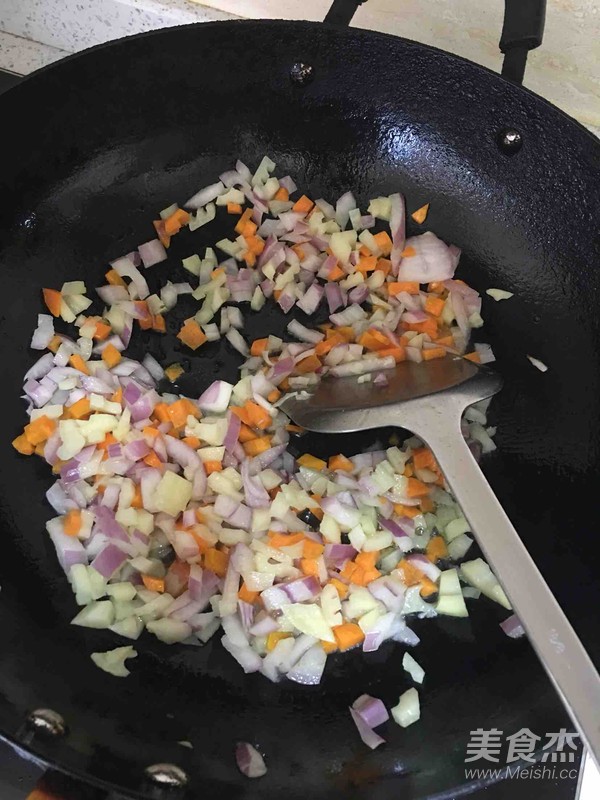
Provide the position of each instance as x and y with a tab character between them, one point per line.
522	31
342	11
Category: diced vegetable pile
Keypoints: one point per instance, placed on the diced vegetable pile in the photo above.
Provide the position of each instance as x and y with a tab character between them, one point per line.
187	516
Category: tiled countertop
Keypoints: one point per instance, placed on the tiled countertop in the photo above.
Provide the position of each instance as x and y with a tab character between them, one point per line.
564	70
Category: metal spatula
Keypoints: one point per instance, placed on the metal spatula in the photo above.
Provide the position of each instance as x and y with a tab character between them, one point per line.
429	399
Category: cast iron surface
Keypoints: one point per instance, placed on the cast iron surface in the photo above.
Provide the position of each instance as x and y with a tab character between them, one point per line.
97	145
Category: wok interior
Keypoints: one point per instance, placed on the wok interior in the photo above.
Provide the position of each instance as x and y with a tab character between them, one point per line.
96	146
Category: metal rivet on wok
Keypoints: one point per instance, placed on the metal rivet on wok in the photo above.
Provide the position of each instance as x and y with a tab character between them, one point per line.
509	141
48	722
301	73
168	776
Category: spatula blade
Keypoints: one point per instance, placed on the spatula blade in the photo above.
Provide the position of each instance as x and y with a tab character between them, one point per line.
328	409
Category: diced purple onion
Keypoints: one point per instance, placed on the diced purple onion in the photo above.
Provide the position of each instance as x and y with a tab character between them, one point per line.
249	760
371	710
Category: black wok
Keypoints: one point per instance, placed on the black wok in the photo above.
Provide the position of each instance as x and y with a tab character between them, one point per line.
93	148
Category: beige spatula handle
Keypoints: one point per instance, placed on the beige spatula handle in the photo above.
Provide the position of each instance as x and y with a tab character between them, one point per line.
551	634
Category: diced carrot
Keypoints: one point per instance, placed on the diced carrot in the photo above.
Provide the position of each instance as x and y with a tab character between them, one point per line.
114	279
106	442
191	334
284	385
246	596
408	252
40	449
310	566
200	517
420	215
72	522
433	352
241	223
178	412
366	264
348	570
255	244
311	462
398	353
428	587
410	287
436	286
434	305
242	413
80	409
257	416
174	371
423	459
411	575
149	430
191	441
23	445
405	511
303	205
246	434
346	332
234	208
273	396
474	357
257	446
342	588
367	560
111	356
323	347
383	242
426	504
39	430
176	221
274	637
370	340
77	362
152	460
417	488
312	549
430	326
146	321
282	194
203	545
213	466
447	341
363	577
102	331
277	539
161	412
153	584
347	635
310	364
53	300
408	471
436	549
54	343
384	265
340	462
299	251
216	561
159	227
337	273
159	324
137	500
258	347
329	647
